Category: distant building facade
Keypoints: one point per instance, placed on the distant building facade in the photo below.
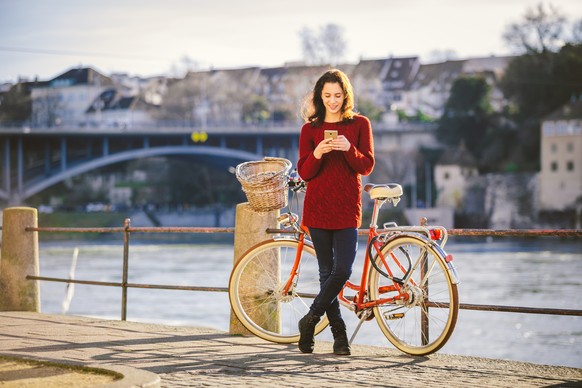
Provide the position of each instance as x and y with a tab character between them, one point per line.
83	97
64	99
452	174
113	110
561	158
225	96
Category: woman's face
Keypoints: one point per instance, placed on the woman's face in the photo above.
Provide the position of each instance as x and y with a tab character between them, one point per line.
333	98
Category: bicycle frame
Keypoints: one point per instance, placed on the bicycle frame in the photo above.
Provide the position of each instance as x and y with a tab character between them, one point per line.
405	273
359	302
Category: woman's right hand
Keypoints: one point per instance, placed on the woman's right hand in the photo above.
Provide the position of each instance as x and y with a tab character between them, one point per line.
323	147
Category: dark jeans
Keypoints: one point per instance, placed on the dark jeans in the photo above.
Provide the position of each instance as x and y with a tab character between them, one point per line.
336	252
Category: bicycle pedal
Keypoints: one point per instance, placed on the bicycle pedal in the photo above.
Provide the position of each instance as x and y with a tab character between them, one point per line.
396	316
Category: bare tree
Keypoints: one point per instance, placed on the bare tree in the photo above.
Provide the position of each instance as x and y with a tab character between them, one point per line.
325	46
577	32
185	65
541	30
310	46
46	110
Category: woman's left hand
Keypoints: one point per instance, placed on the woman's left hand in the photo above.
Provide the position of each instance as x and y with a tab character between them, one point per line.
341	143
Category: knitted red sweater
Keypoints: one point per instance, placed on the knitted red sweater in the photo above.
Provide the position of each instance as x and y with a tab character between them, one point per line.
333	199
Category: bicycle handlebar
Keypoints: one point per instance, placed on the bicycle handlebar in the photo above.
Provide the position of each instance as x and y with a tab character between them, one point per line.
295	182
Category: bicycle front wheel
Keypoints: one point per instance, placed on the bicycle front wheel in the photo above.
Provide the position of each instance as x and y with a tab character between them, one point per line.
422	322
256	289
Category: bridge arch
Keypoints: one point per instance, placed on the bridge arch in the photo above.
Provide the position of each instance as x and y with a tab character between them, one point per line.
225	157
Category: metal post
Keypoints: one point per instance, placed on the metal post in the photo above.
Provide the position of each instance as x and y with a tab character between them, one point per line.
414	199
7	166
105	146
427	185
63	153
47	159
294	149
126	226
20	168
259	145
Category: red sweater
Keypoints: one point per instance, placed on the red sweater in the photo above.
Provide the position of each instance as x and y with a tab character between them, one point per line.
333	199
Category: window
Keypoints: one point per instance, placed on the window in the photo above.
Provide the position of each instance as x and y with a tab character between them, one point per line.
554	166
570	166
570	147
446	176
553	147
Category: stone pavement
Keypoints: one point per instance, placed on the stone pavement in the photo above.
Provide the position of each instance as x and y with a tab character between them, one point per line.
199	357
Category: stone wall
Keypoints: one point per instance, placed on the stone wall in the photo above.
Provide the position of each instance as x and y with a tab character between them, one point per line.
508	200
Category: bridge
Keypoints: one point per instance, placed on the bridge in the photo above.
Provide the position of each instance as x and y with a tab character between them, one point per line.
34	159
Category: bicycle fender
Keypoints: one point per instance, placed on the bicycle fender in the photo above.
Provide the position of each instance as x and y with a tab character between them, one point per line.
450	266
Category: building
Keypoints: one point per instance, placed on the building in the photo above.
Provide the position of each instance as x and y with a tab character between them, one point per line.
429	91
384	82
452	173
561	158
113	110
63	100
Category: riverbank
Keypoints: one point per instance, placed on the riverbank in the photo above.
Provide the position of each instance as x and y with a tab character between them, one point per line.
194	356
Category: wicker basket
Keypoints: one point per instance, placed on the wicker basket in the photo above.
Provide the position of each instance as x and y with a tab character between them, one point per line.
265	183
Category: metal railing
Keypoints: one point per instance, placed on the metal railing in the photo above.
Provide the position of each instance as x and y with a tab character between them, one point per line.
127	229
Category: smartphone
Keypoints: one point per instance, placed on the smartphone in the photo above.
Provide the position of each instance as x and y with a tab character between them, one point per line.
330	134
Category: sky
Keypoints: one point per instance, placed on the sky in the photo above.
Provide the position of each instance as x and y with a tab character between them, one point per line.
44	38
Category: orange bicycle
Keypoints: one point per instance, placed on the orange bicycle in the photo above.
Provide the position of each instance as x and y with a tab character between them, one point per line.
408	282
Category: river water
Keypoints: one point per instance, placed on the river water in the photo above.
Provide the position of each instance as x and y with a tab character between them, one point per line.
543	272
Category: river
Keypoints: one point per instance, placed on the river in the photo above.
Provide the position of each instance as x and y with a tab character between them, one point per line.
544	272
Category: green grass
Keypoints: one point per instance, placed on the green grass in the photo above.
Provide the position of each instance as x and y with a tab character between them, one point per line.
79	220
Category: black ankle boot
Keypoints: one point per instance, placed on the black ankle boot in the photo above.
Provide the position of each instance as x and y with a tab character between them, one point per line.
341	346
307	333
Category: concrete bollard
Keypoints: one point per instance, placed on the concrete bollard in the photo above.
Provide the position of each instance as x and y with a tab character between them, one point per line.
19	259
250	229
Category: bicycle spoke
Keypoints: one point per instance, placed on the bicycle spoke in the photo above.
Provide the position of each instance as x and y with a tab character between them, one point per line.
257	284
422	322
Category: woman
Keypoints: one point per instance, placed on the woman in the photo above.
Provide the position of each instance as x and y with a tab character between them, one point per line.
332	209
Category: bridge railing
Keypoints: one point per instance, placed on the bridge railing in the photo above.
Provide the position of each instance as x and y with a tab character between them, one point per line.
127	229
189	126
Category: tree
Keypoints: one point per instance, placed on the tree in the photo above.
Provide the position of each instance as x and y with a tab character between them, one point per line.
184	66
540	30
536	85
47	110
256	110
577	32
369	109
541	80
466	117
540	83
326	46
15	105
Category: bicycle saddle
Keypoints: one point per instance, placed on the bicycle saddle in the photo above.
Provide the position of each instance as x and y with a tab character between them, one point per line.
387	190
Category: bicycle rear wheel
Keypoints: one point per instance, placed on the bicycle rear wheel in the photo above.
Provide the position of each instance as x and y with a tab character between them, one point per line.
256	284
424	322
